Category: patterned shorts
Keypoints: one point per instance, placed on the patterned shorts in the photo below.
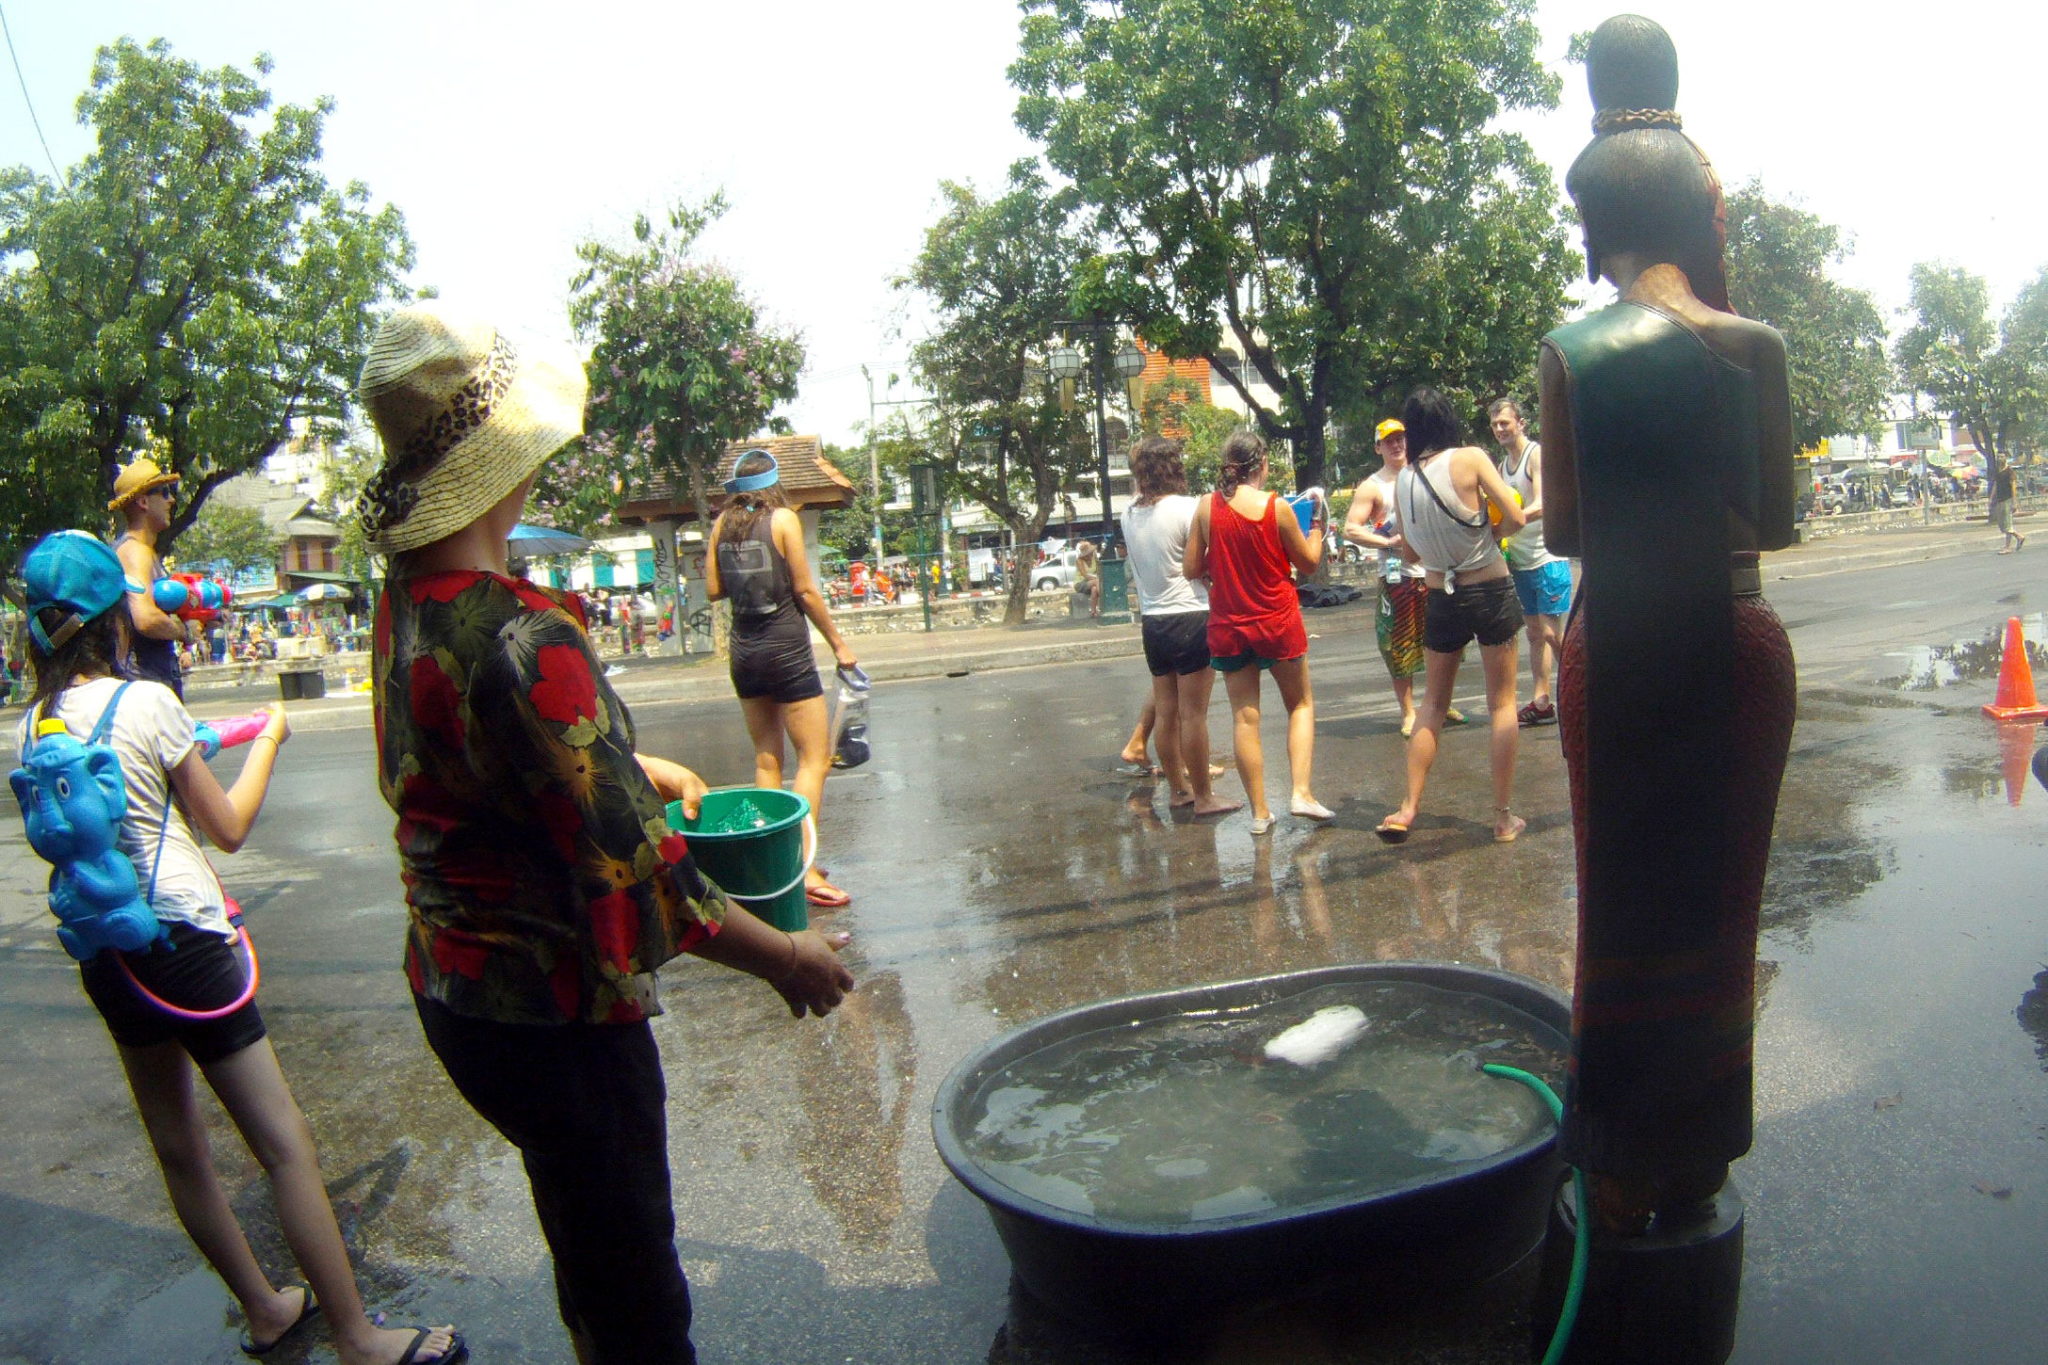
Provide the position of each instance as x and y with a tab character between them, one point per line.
1400	625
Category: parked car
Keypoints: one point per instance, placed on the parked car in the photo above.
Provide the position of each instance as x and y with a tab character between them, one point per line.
1057	571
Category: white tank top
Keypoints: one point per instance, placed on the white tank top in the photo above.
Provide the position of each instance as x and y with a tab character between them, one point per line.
1446	546
1525	549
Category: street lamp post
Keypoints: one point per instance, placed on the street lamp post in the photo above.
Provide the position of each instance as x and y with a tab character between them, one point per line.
1065	363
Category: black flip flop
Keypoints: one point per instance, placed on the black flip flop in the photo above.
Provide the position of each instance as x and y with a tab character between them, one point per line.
458	1349
307	1309
1391	833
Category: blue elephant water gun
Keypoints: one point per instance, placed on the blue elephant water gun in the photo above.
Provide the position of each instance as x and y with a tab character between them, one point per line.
72	797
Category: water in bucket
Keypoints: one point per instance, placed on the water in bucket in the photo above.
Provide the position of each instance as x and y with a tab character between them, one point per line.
1187	1119
751	842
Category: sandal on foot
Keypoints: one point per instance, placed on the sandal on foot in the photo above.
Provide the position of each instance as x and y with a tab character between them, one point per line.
828	896
1261	824
308	1306
458	1349
1453	716
1515	827
1311	810
1391	831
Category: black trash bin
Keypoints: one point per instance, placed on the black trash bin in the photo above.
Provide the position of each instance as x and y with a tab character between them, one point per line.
290	685
312	684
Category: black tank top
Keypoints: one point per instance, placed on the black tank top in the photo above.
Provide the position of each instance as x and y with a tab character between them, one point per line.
757	583
149	657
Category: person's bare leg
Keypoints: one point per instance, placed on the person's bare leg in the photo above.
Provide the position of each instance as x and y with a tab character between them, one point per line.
1194	689
1499	663
1544	634
1134	747
252	1089
1440	675
1166	741
160	1078
764	727
1404	696
1299	697
809	727
1241	685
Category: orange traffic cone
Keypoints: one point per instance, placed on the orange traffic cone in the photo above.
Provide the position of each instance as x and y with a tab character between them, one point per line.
2016	700
2015	751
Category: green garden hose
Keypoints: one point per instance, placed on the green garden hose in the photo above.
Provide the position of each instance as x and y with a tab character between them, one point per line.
1568	1315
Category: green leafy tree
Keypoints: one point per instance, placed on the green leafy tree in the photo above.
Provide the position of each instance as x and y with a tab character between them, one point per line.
228	539
193	289
1314	185
998	275
850	530
1778	259
1174	407
682	364
1991	380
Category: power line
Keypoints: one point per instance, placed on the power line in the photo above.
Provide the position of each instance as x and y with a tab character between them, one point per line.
22	81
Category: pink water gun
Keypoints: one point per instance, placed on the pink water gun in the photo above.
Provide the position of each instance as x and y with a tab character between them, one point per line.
215	735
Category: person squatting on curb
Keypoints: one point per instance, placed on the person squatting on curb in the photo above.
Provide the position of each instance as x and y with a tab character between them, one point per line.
542	890
1441	499
73	583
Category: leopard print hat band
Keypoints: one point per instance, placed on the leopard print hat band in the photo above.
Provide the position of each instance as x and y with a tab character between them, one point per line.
464	420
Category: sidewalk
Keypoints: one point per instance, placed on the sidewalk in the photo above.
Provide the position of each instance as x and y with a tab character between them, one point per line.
897	656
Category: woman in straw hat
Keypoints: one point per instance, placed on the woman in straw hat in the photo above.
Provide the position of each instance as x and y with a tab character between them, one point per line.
757	562
543	891
74	585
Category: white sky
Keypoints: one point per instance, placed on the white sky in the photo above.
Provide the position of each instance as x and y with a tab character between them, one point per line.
507	131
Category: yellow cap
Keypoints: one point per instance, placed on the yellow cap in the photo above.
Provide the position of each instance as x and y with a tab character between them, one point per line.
1390	427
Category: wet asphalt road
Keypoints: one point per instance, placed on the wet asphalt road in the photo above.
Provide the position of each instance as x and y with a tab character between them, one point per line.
1898	1193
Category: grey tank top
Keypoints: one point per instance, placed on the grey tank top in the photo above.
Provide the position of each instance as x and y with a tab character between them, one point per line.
1445	545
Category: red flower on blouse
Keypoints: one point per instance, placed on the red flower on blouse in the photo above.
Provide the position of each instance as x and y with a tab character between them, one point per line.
435	703
457	952
440	587
565	693
615	928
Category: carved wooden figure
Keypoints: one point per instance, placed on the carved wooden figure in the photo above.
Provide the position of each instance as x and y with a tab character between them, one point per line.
1667	467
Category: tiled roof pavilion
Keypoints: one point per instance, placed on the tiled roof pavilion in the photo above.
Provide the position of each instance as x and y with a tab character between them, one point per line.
809	480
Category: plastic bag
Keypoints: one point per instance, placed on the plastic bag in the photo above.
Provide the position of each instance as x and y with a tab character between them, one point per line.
850	746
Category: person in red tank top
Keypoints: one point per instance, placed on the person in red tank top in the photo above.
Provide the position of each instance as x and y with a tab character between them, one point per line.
1248	551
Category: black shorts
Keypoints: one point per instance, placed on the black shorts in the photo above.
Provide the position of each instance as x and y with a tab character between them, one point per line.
1487	610
775	668
200	971
1176	643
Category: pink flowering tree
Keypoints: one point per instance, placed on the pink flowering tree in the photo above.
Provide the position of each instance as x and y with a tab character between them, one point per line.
682	365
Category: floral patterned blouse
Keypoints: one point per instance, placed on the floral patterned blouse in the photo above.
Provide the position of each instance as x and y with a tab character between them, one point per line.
544	883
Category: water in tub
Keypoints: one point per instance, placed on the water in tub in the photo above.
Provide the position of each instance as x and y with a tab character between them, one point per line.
1332	1095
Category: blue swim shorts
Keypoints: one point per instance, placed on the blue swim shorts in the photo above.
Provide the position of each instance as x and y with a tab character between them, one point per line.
1546	591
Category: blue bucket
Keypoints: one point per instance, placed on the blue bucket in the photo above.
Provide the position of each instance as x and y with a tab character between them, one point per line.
761	865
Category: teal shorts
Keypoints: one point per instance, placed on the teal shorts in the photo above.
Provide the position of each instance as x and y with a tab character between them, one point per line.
1237	661
1546	591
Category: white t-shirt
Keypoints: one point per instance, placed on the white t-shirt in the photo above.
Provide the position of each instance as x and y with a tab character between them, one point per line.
1156	535
152	733
1526	549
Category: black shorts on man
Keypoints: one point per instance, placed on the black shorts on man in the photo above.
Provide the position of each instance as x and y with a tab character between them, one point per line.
1177	642
1488	611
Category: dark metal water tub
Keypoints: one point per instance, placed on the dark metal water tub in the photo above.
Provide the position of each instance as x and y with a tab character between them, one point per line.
1456	1229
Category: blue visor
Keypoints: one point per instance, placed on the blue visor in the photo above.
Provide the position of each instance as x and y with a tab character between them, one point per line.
754	483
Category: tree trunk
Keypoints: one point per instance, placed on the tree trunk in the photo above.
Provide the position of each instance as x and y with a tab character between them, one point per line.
1026	534
1309	463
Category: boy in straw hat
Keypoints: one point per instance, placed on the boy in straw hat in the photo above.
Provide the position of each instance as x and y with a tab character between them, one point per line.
144	495
543	887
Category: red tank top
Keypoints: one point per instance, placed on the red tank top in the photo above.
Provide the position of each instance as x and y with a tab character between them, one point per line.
1252	606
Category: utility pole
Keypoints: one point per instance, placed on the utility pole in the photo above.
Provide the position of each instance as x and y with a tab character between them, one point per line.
874	467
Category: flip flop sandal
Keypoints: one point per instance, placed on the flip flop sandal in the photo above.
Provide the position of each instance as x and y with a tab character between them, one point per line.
308	1307
1390	832
829	897
458	1349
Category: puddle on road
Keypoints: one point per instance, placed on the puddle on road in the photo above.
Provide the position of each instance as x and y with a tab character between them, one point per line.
1928	668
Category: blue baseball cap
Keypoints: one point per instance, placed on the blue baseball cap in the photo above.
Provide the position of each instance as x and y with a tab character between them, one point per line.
78	572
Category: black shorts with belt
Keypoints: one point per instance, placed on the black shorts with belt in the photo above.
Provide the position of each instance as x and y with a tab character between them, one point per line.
200	970
1488	611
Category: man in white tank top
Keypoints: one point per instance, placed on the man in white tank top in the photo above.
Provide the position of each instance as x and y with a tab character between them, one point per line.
1543	581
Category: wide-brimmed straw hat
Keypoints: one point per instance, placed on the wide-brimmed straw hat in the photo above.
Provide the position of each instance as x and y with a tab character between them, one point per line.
137	479
464	420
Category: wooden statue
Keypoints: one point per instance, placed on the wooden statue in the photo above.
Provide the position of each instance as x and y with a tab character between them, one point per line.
1667	468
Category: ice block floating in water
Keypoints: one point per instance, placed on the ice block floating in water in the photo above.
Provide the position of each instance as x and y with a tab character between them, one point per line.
1319	1037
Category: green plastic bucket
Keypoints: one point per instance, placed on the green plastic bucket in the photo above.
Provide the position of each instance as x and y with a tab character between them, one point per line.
761	866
